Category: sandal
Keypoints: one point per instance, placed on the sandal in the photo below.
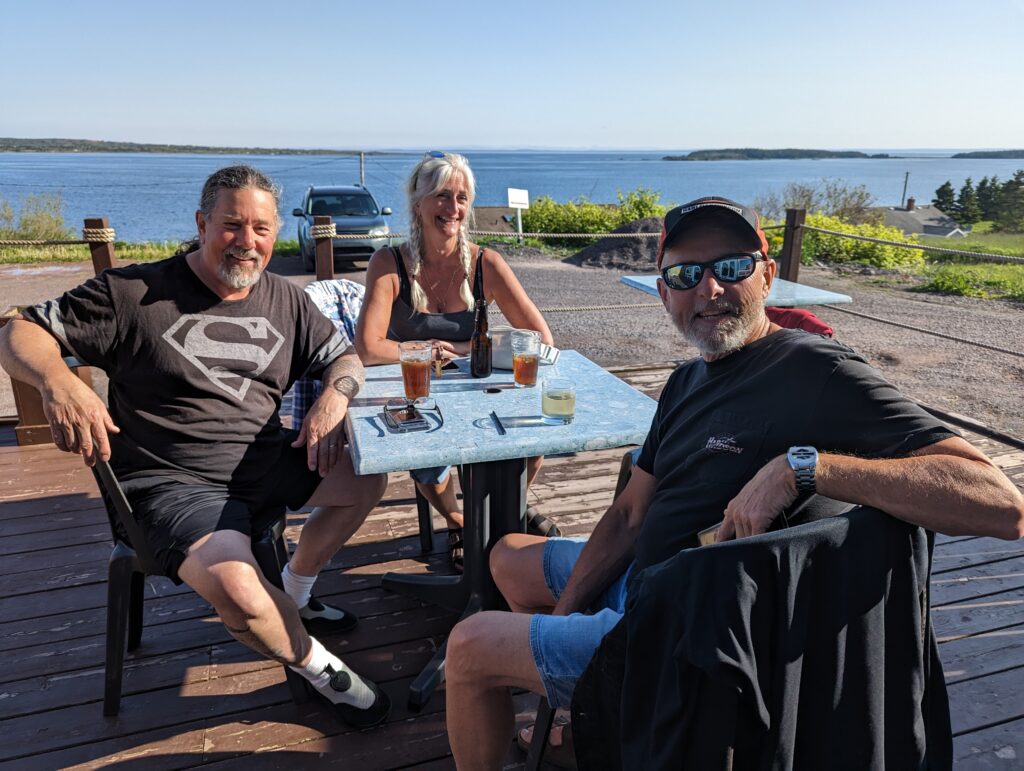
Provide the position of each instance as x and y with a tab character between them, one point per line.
560	755
455	548
538	524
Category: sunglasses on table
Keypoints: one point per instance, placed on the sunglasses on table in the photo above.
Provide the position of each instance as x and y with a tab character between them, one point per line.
729	268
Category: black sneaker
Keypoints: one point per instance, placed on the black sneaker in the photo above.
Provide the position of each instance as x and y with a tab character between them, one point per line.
326	619
373	715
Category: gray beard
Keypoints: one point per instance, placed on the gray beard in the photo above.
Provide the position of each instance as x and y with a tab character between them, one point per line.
239	276
725	338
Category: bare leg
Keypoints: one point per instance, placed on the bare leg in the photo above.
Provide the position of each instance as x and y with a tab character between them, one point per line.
342	502
533	468
488	653
442	498
517	565
221	569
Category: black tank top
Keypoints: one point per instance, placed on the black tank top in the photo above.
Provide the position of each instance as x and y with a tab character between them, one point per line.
409	324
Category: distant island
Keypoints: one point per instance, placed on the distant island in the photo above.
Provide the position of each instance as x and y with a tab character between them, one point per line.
14	145
756	154
992	154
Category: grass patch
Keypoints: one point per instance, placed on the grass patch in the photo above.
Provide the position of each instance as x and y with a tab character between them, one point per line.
994	280
1008	244
124	251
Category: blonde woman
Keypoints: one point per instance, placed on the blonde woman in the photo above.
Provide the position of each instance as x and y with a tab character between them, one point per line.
427	289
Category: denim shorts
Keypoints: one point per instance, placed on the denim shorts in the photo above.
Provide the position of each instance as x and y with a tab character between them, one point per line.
562	646
434	475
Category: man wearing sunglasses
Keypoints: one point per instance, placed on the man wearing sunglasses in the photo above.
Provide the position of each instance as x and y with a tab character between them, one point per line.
761	416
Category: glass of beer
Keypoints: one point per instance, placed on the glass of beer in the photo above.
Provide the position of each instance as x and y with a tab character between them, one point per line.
415	357
525	357
558	401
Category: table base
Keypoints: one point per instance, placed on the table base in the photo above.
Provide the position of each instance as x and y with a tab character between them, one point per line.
494	504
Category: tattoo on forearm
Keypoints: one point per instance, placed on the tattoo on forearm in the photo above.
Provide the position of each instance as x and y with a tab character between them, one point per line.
345	375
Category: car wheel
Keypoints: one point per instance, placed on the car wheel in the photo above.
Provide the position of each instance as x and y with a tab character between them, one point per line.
309	262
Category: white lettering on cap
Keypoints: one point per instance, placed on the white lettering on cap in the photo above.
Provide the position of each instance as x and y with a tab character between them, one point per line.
689	209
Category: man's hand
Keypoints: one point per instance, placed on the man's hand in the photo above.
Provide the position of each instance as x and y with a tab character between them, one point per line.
771	491
78	418
323	431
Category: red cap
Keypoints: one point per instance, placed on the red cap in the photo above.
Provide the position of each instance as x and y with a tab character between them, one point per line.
682	216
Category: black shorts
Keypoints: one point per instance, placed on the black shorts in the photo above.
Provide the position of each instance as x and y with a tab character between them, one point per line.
174	514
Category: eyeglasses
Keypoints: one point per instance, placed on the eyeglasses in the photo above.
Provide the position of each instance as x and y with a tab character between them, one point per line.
730	269
433	154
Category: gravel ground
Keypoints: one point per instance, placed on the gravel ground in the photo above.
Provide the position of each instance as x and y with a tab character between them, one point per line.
950	375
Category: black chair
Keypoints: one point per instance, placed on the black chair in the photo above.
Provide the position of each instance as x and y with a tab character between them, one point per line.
131	560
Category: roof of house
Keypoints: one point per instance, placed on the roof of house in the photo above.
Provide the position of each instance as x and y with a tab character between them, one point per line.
923	220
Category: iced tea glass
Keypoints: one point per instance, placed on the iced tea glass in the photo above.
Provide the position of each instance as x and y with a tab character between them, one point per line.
415	356
525	357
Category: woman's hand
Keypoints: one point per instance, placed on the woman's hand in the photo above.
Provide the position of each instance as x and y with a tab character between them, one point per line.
447	350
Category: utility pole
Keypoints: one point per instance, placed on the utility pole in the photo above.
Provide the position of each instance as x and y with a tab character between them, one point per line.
362	168
903	198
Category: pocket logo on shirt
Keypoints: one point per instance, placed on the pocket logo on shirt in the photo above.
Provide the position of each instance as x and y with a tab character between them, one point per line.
230	364
723	444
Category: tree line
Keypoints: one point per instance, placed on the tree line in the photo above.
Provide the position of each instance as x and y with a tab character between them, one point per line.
1000	202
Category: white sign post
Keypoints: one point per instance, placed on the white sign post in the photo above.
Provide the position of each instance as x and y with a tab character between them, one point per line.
519	199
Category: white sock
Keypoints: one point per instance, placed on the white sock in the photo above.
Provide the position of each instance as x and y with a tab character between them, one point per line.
357	694
297	587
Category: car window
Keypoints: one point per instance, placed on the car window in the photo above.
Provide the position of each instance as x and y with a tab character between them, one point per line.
343	205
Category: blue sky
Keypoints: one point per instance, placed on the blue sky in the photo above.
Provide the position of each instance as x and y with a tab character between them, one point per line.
572	74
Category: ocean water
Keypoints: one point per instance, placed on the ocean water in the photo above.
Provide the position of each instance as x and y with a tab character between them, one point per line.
152	197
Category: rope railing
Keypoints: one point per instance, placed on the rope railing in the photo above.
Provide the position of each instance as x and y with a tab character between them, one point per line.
89	236
932	332
920	247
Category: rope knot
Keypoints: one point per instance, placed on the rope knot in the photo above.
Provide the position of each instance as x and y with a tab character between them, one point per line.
323	231
98	235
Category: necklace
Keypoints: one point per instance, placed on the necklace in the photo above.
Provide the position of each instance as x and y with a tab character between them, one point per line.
440	301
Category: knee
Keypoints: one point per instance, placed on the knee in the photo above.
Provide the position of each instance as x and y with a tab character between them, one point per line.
470	648
502	559
239	594
372	489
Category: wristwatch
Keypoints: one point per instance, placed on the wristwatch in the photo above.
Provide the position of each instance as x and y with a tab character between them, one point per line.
803	461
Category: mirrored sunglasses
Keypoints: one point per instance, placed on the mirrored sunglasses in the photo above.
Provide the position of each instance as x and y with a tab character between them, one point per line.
729	268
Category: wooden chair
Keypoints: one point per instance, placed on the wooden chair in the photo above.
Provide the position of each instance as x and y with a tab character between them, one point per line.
131	560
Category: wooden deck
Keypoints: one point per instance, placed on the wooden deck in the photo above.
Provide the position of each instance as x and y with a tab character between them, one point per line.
193	696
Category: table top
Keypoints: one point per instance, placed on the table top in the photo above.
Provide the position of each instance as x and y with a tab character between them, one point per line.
609	413
784	294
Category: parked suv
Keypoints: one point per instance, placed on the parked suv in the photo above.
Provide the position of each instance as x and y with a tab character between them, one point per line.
354	211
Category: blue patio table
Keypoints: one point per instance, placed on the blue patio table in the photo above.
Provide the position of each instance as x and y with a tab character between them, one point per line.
784	294
609	413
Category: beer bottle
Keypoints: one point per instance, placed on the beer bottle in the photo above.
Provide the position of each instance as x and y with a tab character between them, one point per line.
480	343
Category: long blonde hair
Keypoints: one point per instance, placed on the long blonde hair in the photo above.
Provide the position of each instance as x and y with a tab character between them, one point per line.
431	175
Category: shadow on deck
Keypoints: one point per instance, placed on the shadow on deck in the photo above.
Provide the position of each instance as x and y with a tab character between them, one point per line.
193	696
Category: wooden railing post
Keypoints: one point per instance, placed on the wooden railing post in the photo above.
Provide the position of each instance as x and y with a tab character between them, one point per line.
324	252
792	243
102	253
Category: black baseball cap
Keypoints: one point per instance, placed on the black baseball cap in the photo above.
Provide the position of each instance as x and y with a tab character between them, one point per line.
682	216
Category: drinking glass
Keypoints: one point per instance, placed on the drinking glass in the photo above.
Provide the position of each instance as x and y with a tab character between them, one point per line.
558	401
415	356
525	357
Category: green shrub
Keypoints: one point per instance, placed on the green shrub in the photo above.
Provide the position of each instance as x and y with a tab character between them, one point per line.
828	248
639	204
998	280
582	215
41	218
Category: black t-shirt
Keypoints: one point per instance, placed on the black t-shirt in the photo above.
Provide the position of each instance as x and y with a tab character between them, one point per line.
718	423
195	382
